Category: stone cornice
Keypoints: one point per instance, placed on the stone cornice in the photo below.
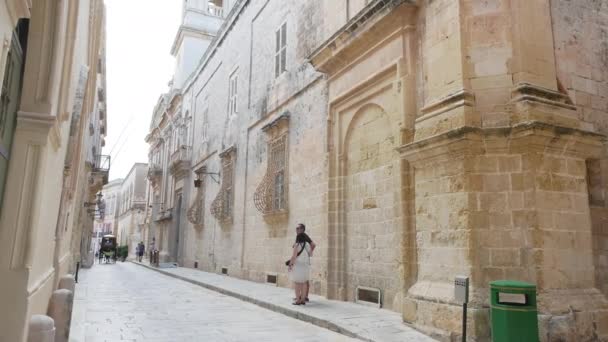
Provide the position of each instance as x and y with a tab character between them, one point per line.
534	93
186	30
228	152
460	98
37	123
281	120
352	38
532	136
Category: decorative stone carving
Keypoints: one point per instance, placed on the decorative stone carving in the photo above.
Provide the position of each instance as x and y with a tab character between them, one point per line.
222	206
271	195
195	213
155	173
180	161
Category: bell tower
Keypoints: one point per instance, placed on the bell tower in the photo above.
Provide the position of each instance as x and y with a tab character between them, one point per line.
201	19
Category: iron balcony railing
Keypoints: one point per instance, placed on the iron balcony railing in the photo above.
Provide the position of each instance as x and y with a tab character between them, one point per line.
216	11
102	163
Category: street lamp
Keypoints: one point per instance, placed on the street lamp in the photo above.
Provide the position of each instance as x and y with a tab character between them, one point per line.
198	181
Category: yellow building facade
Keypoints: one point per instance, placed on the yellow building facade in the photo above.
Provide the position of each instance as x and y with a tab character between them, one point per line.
53	125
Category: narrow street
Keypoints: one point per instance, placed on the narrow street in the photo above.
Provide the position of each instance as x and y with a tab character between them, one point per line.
125	302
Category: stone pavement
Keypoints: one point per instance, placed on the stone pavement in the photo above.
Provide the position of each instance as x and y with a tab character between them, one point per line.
354	320
125	302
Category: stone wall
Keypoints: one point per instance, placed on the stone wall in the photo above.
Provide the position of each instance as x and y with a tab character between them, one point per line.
581	51
425	141
249	245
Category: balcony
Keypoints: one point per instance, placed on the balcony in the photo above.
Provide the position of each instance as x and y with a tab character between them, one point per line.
100	172
215	11
102	163
155	173
180	161
164	215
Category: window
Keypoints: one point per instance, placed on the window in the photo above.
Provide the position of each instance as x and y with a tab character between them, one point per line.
186	138
271	195
155	157
176	139
204	131
278	173
232	94
222	206
228	169
280	57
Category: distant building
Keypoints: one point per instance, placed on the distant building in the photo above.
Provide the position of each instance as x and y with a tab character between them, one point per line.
108	223
172	128
131	207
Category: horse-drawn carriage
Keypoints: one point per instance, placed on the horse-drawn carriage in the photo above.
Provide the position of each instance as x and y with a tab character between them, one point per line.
108	250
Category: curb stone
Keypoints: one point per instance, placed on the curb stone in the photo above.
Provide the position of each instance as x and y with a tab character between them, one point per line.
320	322
273	307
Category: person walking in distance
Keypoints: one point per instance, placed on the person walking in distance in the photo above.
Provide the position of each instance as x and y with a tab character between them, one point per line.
140	250
301	229
152	249
299	267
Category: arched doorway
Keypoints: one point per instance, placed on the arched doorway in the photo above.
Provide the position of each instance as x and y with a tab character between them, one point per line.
371	205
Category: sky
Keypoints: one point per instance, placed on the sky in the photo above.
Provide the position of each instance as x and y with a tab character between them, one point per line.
139	67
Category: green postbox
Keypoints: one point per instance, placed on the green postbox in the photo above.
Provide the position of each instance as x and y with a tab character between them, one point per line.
513	311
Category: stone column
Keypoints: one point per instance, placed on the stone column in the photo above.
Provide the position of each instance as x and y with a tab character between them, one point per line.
60	309
506	203
41	329
444	207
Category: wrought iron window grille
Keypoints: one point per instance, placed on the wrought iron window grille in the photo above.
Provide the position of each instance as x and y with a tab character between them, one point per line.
223	204
196	210
271	195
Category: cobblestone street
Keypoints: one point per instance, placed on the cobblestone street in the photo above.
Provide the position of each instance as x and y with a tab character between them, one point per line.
126	302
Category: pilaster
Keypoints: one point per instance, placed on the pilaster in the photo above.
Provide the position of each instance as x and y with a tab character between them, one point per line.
18	9
504	203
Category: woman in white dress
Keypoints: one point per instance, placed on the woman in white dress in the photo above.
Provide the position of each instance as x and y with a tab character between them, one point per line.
299	267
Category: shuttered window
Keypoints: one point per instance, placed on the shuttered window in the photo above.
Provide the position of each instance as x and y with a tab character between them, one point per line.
280	58
233	93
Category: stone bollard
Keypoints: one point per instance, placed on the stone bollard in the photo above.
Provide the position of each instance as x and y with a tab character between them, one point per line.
60	309
41	329
67	282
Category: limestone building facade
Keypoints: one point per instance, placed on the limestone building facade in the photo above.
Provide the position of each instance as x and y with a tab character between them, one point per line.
417	140
131	207
171	134
109	222
52	128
